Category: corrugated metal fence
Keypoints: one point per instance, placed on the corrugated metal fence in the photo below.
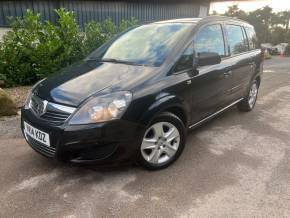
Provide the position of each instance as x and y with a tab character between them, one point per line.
100	10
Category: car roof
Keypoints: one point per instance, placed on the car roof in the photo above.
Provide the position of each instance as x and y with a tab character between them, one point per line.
203	20
182	20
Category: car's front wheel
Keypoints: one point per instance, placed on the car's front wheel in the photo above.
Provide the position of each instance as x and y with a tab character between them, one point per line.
163	142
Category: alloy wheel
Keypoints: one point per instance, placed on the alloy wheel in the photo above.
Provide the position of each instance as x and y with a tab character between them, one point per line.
253	95
160	143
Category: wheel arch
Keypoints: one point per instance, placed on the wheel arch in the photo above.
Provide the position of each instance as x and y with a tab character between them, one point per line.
170	104
179	112
258	79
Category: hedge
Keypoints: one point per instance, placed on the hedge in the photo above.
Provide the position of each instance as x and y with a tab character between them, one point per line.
34	49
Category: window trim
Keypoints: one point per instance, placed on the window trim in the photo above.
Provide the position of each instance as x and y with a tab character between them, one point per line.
173	72
245	37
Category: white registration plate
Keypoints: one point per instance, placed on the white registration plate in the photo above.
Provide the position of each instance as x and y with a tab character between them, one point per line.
36	134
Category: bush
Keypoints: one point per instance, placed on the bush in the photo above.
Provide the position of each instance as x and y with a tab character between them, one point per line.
33	49
98	33
126	24
36	49
94	36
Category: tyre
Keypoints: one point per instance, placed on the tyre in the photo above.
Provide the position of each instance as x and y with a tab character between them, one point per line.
163	142
249	102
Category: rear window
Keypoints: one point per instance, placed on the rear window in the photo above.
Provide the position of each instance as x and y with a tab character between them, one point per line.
252	38
237	41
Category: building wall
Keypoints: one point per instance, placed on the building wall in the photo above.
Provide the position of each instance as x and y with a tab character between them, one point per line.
99	10
203	11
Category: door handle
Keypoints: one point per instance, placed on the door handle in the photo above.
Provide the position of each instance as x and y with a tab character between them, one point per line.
228	74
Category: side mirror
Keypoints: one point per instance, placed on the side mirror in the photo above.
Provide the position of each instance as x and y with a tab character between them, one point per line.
208	58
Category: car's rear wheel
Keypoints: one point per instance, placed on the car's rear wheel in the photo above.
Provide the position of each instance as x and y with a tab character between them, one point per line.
163	142
248	103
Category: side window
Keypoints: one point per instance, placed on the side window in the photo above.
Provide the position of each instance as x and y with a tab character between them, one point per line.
186	60
237	42
253	42
210	39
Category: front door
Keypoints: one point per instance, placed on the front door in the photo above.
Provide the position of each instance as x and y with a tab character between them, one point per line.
211	88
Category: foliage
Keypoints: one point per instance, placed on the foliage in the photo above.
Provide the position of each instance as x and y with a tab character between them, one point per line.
125	24
34	49
277	35
98	33
234	11
94	36
261	20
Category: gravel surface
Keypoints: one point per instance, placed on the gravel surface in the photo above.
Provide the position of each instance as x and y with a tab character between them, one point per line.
237	165
18	94
10	127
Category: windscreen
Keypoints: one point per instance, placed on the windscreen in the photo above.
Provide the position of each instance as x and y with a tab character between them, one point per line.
146	45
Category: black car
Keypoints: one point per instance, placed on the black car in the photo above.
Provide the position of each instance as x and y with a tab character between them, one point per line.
135	97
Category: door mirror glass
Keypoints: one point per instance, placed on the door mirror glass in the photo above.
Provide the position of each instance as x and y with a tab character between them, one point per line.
208	58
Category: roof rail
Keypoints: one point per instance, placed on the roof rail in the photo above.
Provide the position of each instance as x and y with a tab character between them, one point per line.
214	17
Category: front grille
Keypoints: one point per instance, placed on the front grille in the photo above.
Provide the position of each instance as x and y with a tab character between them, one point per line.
41	148
55	116
48	111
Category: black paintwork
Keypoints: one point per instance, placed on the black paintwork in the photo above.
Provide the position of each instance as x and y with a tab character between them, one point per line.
192	94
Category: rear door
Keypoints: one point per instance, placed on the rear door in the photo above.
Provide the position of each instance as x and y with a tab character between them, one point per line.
242	65
212	86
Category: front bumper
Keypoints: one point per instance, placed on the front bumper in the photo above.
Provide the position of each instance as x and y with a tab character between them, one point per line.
102	143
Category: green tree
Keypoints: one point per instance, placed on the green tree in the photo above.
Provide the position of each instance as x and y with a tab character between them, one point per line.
270	26
285	17
277	35
262	20
234	11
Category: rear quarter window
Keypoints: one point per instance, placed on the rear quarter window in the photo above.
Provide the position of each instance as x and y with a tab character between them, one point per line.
252	38
237	41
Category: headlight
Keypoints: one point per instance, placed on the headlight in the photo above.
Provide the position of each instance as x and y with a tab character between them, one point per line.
102	108
27	101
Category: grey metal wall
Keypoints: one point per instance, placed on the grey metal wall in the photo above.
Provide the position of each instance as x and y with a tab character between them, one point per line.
100	10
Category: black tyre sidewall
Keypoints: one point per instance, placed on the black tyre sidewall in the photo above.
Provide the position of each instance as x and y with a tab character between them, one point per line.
171	118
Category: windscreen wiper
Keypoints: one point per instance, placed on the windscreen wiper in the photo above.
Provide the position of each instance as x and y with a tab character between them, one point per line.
113	60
